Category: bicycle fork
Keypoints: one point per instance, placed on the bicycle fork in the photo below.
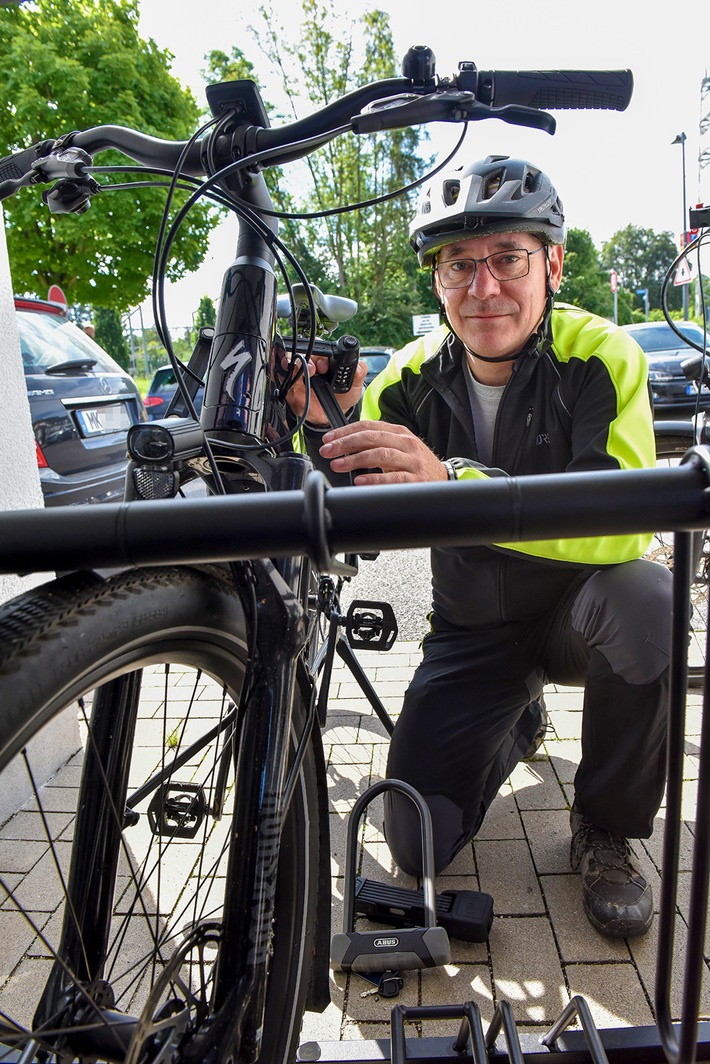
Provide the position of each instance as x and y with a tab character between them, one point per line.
276	641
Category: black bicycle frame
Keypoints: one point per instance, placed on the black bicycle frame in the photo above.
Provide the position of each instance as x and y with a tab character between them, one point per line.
239	389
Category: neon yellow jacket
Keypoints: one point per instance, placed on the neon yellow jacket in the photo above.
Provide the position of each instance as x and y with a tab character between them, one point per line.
581	402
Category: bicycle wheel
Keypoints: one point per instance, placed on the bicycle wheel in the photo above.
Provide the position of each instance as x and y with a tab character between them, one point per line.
112	875
670	448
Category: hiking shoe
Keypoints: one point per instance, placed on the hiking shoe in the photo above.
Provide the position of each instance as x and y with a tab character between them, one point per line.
539	736
617	899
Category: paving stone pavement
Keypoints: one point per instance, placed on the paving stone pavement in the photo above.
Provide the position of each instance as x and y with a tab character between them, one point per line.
541	950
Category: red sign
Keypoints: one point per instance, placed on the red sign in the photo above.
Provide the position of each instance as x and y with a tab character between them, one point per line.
613	281
55	295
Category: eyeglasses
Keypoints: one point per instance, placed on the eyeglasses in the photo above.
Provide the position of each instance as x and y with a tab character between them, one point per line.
503	266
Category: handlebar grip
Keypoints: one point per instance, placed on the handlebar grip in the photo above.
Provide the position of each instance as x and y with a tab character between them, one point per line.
607	90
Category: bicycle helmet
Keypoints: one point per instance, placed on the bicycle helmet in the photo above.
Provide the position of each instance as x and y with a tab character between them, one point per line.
496	195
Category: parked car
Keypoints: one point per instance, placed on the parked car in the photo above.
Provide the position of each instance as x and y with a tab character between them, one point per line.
162	388
673	394
82	404
376	358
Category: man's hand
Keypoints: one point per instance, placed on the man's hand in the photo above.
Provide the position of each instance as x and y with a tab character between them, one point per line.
401	456
296	396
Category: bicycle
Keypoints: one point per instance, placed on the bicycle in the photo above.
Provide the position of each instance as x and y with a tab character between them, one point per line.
126	975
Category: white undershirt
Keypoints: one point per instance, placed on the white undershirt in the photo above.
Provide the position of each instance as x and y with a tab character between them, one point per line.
484	399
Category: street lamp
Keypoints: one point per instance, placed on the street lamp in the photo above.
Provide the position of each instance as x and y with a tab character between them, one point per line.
681	139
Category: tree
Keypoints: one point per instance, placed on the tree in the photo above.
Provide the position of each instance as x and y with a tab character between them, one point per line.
71	66
641	258
109	335
232	67
363	254
584	284
206	313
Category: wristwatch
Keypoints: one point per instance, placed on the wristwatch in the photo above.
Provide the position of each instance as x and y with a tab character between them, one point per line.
450	470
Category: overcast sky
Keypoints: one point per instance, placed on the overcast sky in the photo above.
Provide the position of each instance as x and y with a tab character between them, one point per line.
611	168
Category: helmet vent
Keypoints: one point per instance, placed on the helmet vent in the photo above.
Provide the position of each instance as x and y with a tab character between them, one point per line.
530	183
450	192
492	185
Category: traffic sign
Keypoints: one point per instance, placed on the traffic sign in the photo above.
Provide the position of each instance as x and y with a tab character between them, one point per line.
613	281
55	295
684	273
424	323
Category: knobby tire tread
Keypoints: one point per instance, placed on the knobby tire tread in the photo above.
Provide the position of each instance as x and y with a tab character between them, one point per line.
38	677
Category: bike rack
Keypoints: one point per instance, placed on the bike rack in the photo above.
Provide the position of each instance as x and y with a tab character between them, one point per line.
118	535
665	1043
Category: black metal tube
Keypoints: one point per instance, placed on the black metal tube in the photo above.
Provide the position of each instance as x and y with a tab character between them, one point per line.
682	557
700	879
505	509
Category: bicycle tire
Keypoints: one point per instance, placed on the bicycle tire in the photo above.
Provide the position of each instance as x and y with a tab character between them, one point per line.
58	644
670	448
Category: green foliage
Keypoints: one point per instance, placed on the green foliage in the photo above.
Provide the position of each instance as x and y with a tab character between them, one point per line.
109	335
584	283
641	258
362	254
72	66
206	313
223	67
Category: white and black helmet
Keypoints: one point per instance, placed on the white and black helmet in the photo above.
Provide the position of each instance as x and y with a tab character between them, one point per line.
496	195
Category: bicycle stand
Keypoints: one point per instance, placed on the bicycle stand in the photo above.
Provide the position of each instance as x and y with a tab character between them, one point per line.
618	1045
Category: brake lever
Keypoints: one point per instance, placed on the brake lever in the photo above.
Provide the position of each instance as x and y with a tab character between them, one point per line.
411	110
67	163
450	106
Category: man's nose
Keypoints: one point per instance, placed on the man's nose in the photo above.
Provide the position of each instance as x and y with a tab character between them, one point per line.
483	282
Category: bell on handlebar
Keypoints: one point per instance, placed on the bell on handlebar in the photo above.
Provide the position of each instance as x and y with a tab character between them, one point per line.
419	64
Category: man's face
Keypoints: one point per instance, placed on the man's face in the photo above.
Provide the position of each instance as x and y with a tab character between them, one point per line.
496	318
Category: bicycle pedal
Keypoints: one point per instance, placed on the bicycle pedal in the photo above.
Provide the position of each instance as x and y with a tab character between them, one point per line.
178	810
404	949
370	625
465	914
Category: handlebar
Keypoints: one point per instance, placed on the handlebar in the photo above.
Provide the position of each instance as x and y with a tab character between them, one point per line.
382	517
416	98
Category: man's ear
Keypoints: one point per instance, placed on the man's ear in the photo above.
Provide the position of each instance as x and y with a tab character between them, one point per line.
436	288
556	257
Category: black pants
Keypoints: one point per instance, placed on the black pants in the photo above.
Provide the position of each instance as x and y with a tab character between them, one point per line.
467	717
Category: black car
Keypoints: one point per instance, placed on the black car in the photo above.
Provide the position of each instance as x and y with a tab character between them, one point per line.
81	403
162	388
376	359
673	394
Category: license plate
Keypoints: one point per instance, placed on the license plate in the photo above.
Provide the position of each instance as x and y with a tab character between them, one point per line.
101	420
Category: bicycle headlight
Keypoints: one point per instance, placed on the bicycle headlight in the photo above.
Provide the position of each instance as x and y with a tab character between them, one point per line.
150	443
173	438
